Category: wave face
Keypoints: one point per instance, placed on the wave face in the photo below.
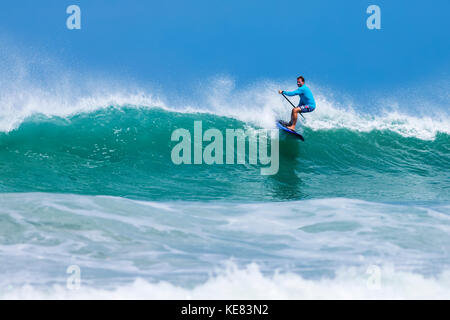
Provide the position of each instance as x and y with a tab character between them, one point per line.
126	151
330	248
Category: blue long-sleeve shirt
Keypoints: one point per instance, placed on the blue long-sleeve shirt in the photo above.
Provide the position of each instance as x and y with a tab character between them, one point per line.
306	96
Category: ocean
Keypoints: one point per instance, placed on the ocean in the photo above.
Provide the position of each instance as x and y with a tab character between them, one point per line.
361	209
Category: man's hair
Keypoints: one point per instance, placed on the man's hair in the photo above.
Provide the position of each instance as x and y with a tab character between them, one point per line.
301	77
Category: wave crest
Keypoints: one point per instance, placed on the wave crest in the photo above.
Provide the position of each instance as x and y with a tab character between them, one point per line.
249	283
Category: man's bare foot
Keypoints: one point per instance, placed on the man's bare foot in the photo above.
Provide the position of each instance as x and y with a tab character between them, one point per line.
291	128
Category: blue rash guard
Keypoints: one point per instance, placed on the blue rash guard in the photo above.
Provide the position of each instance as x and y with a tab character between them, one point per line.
306	97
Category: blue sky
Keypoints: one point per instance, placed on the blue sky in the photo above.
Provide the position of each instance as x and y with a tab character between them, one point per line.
177	42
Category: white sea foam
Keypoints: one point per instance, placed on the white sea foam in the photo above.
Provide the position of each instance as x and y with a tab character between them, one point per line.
372	282
242	106
323	248
30	85
260	104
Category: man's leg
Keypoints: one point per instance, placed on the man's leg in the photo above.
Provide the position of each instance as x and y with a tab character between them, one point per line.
294	116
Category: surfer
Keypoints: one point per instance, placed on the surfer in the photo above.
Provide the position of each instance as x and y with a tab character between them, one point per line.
306	103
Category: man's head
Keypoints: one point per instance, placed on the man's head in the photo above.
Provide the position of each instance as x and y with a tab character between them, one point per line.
300	81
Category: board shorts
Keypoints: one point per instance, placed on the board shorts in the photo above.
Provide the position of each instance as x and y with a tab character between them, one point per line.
305	109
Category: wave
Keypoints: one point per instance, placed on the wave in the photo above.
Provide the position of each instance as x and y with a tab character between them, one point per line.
126	151
328	248
65	131
257	106
249	283
66	138
37	85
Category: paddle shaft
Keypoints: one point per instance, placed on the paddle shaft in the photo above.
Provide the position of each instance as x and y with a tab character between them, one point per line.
291	103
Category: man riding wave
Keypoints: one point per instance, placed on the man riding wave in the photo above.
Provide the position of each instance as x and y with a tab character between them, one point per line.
306	103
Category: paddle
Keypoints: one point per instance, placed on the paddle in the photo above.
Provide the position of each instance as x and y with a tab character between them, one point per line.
291	103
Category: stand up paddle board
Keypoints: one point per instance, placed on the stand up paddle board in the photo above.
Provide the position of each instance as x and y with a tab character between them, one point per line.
282	125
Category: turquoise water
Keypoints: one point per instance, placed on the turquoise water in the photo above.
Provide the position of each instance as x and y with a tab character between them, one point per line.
98	189
127	152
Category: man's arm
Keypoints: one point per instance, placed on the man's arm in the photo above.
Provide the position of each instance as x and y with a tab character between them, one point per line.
292	93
